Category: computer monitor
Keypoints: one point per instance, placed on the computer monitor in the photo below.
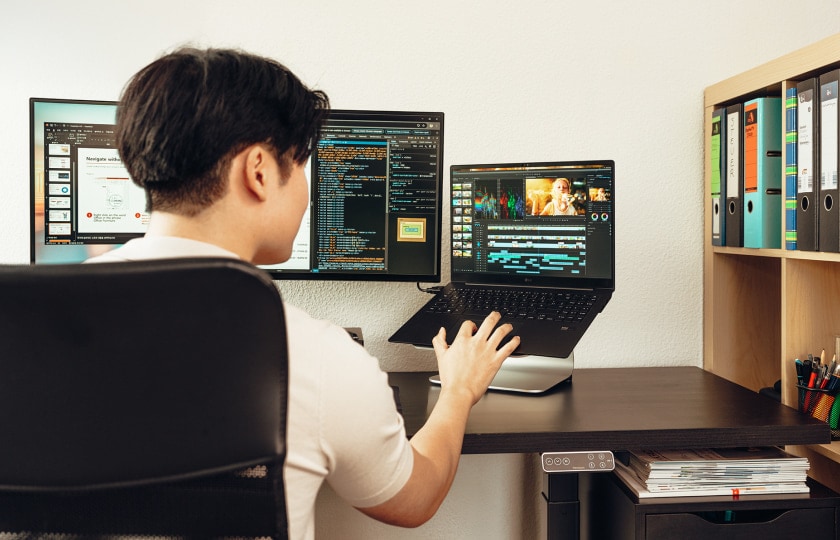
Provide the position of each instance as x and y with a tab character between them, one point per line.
82	199
375	204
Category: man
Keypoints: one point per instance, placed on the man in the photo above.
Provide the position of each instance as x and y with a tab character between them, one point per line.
219	139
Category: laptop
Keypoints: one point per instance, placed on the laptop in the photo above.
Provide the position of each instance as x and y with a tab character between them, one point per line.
540	231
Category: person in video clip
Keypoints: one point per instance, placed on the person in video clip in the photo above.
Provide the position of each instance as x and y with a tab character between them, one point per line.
561	199
218	139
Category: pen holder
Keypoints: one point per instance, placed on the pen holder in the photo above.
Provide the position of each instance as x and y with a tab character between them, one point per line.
834	420
822	405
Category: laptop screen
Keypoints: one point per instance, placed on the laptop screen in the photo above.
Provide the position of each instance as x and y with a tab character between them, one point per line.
548	224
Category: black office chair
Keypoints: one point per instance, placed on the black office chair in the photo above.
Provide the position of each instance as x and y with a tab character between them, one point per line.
142	398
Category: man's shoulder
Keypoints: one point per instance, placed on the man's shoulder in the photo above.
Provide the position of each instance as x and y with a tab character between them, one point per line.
323	346
108	257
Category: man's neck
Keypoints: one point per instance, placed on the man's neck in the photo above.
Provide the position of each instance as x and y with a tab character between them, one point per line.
203	228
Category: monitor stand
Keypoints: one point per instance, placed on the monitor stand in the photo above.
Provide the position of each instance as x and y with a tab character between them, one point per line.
530	374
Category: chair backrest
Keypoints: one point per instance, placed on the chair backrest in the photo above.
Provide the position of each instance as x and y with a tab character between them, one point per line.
118	375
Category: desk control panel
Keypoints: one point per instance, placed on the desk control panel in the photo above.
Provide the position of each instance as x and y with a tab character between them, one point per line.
587	461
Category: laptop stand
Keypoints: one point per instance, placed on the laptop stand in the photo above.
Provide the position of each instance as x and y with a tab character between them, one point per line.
529	374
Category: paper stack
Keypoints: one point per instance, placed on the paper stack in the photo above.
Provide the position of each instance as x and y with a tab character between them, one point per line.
710	472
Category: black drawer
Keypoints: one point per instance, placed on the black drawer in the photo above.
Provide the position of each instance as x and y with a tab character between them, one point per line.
810	523
609	513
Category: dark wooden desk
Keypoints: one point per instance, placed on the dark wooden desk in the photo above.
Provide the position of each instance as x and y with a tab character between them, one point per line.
620	409
617	409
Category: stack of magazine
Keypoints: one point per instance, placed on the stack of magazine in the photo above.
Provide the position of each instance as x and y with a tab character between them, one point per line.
712	472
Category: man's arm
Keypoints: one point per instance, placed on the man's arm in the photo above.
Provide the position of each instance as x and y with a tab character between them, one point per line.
466	369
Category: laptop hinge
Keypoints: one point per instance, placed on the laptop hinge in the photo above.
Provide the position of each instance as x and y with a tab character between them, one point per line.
528	286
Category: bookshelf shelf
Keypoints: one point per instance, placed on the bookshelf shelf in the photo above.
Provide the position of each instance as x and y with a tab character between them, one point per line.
778	254
764	307
831	451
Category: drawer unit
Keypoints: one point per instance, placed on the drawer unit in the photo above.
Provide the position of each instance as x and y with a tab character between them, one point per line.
615	513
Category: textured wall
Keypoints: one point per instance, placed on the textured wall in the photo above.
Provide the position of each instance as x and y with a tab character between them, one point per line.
528	80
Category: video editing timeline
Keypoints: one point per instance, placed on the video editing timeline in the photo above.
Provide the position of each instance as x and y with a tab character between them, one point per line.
89	196
532	221
533	249
376	193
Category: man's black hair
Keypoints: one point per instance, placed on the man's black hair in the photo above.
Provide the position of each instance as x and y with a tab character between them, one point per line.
183	118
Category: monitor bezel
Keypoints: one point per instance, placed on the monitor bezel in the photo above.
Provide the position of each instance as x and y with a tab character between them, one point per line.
277	274
33	243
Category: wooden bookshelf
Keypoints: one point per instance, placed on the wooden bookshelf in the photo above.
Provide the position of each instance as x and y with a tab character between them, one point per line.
764	307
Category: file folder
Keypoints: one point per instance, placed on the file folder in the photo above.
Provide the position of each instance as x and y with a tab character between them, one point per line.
718	182
734	177
807	146
829	219
790	168
763	173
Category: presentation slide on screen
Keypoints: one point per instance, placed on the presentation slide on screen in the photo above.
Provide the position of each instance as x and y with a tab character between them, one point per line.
108	201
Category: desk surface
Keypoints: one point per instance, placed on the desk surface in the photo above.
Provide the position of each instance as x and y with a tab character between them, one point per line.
619	409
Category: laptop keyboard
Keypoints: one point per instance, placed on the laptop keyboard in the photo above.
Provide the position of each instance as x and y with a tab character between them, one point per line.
561	306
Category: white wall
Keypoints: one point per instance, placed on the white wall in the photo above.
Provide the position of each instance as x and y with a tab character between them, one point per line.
526	80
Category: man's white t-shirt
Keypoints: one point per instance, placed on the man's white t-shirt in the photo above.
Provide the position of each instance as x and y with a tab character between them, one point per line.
343	426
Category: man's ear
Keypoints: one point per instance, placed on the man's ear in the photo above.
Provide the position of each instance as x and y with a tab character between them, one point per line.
255	173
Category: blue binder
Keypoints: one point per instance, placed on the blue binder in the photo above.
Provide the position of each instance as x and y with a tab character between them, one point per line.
807	165
790	168
763	173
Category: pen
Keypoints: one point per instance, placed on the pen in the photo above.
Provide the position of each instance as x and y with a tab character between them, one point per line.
807	371
799	365
834	375
823	377
834	385
812	379
809	402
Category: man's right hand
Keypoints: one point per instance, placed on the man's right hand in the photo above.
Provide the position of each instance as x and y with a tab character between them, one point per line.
474	357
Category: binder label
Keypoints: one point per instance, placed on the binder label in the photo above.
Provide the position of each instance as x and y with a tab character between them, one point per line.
828	136
733	138
716	157
804	141
751	148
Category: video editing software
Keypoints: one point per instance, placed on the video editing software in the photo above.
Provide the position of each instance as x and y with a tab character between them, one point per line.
549	220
